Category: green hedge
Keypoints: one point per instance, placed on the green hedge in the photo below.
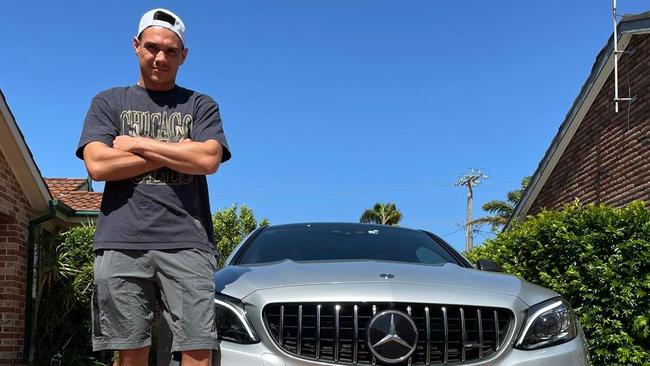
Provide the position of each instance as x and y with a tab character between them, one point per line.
65	274
596	257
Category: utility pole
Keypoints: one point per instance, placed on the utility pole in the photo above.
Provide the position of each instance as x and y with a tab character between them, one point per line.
470	180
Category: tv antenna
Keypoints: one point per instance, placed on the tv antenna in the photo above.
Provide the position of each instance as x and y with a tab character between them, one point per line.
616	52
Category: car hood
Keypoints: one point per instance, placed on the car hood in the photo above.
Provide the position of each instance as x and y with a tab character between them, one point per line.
241	281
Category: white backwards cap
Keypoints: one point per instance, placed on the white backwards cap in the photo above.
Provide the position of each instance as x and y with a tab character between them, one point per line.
163	18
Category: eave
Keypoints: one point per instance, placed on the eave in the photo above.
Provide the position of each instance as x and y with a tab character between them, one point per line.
21	161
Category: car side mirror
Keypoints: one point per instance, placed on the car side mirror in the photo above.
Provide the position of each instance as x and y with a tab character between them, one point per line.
488	265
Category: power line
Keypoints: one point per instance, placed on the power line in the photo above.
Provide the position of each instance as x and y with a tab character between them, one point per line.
453	232
484	232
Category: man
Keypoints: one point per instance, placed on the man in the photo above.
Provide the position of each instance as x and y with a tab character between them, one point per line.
153	143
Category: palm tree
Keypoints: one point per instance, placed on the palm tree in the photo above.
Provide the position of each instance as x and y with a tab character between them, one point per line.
382	213
502	210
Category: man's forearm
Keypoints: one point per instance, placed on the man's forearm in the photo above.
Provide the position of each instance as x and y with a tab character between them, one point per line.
128	167
107	164
187	157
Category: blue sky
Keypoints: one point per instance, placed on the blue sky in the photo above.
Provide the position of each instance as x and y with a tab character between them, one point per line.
329	105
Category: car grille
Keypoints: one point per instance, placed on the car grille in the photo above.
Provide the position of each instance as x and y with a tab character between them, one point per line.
336	332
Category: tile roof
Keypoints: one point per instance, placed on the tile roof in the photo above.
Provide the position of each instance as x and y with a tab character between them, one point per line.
58	186
83	201
74	193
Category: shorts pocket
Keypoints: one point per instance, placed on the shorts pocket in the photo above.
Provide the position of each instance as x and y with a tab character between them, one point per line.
97	329
198	311
116	304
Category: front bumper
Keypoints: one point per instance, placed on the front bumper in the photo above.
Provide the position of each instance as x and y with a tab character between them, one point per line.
572	353
268	353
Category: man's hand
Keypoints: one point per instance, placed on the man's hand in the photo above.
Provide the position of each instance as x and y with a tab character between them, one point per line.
185	156
126	143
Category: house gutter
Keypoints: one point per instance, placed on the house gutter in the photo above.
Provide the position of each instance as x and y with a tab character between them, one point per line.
85	213
70	212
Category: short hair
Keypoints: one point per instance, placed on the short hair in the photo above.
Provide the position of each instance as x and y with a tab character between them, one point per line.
140	39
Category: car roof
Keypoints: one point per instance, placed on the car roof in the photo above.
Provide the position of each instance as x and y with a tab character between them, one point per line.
350	225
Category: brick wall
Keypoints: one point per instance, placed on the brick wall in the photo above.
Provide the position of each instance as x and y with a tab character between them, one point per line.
15	217
608	159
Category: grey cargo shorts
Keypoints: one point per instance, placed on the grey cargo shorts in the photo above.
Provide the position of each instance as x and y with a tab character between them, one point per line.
127	285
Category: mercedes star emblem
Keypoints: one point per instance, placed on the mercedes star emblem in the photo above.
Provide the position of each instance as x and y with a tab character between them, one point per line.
392	336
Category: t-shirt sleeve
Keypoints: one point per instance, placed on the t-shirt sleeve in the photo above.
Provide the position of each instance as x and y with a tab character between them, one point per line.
99	125
207	125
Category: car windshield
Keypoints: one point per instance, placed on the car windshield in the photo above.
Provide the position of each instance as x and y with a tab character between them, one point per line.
335	242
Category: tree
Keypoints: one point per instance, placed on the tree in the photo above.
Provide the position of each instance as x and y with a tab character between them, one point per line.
231	225
382	213
502	210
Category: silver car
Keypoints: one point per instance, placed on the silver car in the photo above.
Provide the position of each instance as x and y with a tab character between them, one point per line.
357	294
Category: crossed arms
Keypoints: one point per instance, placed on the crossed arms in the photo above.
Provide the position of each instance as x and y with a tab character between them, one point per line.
133	156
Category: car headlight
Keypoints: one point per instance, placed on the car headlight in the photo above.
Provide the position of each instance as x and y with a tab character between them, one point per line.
548	324
232	322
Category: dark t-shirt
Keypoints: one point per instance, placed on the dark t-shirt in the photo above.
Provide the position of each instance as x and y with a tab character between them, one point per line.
162	209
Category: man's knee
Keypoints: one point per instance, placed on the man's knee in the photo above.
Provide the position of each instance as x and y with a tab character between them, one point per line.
199	357
134	357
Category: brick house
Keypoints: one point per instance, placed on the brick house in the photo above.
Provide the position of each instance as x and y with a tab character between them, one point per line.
29	206
598	155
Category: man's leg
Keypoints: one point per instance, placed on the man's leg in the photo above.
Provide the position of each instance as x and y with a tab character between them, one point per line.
123	300
186	279
197	357
134	357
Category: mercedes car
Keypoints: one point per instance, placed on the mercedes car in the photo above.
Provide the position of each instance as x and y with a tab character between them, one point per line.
361	294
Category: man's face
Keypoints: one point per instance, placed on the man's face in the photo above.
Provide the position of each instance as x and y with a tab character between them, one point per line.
160	53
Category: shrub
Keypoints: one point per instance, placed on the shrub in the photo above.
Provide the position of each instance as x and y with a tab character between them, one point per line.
63	316
597	258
